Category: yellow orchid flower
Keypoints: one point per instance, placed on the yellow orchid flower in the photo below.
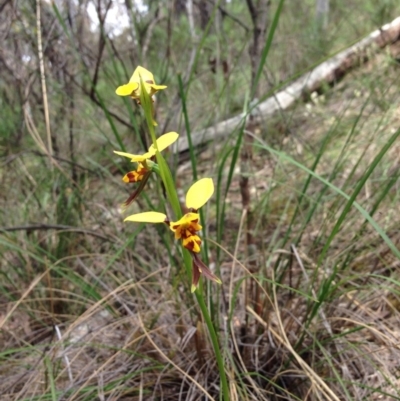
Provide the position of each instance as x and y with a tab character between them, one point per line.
132	88
162	143
187	226
143	170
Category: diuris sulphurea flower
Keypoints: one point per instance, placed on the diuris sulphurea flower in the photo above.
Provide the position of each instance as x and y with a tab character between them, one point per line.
145	164
187	227
133	87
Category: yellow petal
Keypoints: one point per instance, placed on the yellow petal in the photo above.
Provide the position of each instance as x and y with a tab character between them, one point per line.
127	90
199	193
136	158
189	219
146	75
147	217
158	87
164	141
129	155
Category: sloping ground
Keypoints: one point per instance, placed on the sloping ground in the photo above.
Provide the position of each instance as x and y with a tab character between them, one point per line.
130	329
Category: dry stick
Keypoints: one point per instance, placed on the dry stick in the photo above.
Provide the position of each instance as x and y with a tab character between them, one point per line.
327	72
258	16
43	80
34	227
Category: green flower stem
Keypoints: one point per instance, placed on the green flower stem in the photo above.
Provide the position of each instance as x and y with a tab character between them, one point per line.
167	179
147	104
214	340
153	166
173	197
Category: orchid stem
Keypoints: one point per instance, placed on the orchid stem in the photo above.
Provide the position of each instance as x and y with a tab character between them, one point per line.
166	176
214	340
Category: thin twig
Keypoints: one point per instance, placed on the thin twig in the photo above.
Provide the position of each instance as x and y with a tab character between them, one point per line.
58	227
226	13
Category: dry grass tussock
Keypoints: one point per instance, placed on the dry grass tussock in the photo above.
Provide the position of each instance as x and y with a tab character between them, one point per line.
109	316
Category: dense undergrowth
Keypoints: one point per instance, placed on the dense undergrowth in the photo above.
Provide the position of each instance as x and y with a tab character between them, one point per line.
96	309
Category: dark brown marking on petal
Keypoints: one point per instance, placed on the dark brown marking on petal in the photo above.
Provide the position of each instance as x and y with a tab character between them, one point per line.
132	177
189	245
138	190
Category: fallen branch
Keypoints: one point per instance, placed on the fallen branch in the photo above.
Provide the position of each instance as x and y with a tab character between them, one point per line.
327	72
